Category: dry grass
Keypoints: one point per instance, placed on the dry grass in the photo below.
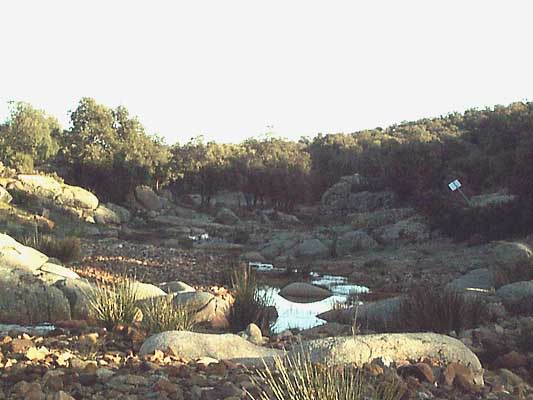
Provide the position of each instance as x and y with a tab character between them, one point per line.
160	314
114	303
65	249
298	378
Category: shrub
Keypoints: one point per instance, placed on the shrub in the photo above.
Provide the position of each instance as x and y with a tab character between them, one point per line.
160	314
64	249
439	310
114	303
298	378
249	305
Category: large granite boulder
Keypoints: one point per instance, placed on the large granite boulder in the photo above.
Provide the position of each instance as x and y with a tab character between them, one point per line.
191	345
147	198
105	216
475	280
517	296
337	195
369	201
49	192
17	256
208	308
77	291
509	253
122	212
396	347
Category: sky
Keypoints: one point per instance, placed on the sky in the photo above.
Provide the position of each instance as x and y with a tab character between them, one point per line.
232	69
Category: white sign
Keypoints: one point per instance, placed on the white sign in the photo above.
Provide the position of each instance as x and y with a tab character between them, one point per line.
454	185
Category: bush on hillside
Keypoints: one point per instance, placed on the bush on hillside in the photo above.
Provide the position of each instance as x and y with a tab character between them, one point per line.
64	249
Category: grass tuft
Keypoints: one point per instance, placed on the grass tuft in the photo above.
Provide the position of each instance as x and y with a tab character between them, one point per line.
114	303
64	249
440	311
249	305
298	378
160	314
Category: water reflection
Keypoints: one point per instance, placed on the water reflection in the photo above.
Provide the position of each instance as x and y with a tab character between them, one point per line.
302	315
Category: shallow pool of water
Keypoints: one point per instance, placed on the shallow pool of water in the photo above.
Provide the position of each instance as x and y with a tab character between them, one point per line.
302	315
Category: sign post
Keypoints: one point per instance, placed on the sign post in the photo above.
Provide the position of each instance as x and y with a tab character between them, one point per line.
456	185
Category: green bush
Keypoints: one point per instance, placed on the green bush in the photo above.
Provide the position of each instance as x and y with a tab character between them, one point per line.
64	249
115	303
439	310
298	378
160	314
249	305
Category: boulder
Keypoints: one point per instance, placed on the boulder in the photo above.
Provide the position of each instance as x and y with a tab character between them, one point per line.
17	256
517	296
254	334
304	291
191	345
122	212
106	216
375	315
27	300
227	217
253	256
147	291
481	278
397	347
354	241
76	292
337	195
176	287
370	201
77	197
281	244
5	197
147	198
59	271
312	248
408	230
509	253
209	308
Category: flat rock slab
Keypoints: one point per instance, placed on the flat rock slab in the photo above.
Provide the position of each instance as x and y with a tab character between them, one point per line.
392	346
304	290
197	345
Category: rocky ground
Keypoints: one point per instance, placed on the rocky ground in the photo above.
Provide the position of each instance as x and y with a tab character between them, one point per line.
364	236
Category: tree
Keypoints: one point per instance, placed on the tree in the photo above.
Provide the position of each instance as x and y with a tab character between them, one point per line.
28	137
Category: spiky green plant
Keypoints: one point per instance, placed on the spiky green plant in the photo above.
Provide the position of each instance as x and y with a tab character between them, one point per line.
114	303
249	304
298	378
160	314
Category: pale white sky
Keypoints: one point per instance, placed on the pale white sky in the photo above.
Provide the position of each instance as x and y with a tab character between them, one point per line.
228	69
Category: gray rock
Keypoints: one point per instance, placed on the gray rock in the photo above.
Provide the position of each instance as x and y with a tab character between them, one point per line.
5	197
517	295
122	212
176	287
254	334
197	345
481	278
408	230
209	308
76	291
509	253
337	195
15	255
77	197
304	290
375	315
27	300
281	244
370	201
106	216
354	241
227	217
59	270
396	347
147	290
148	198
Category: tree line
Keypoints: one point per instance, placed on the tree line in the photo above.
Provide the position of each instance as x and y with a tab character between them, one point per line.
110	152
